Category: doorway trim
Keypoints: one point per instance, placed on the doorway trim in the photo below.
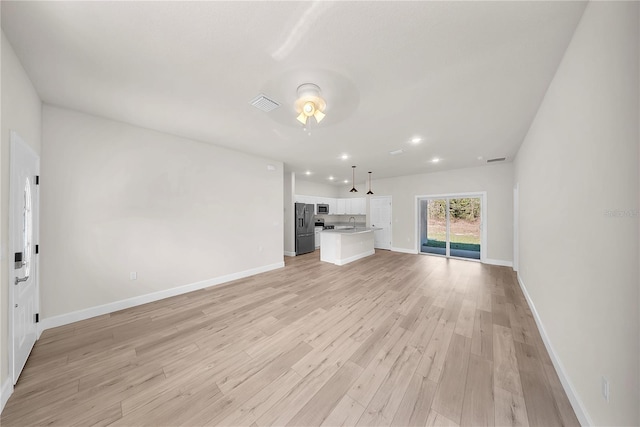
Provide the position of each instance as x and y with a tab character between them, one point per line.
483	221
516	225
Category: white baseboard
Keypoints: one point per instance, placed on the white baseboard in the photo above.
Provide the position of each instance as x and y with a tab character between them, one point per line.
354	258
5	392
405	251
500	262
75	316
484	261
575	400
287	253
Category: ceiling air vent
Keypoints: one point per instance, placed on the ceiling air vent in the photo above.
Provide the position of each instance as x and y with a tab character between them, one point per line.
497	159
261	102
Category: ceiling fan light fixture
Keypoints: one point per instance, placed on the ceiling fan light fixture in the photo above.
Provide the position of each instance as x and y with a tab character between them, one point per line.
308	108
310	103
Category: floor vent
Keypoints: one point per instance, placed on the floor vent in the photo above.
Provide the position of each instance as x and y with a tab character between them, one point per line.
261	102
497	159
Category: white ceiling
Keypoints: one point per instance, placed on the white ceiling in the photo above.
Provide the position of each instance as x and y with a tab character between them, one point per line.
467	77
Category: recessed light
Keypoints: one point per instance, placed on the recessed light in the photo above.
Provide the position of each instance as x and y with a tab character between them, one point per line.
416	140
307	173
346	181
435	160
396	152
344	156
331	178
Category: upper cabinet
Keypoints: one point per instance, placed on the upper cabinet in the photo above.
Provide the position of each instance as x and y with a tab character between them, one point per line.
333	204
359	205
341	206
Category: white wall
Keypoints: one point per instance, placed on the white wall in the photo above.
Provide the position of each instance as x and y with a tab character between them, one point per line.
308	188
578	188
21	112
3	299
117	198
496	180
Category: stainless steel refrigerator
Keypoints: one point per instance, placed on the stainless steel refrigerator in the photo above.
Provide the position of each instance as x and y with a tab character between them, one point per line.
305	229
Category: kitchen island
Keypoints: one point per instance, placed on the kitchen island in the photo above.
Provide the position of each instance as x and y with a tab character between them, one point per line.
341	247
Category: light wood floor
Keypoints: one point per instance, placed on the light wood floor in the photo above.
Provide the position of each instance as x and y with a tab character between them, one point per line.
393	339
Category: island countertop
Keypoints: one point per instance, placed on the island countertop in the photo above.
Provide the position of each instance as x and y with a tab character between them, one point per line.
355	230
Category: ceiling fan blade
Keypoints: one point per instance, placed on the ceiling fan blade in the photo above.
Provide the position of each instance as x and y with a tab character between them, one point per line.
319	115
302	118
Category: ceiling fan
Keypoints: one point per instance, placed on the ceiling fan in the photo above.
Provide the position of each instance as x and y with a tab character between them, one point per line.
310	103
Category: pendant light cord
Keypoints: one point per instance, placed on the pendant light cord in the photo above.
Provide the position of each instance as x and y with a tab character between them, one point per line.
353	180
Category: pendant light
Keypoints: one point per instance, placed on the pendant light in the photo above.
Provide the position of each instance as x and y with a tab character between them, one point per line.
353	180
369	192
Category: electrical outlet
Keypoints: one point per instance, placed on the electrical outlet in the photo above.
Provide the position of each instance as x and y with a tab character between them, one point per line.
133	275
605	389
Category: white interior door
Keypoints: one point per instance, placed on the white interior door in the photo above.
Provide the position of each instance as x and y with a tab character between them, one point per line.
23	232
380	208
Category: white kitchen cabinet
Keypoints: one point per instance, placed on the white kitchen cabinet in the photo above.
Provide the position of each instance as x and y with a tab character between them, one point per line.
353	206
348	206
317	236
337	206
359	206
333	205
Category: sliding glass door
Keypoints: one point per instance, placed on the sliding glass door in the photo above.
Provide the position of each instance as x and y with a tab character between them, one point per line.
464	227
451	226
434	240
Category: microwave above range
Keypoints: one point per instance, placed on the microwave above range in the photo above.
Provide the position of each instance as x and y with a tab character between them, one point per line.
323	209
